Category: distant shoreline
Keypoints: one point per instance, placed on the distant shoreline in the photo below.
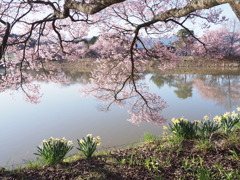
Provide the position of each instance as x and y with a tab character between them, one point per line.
190	61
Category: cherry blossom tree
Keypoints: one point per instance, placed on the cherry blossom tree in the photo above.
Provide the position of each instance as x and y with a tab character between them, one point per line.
43	28
218	43
33	32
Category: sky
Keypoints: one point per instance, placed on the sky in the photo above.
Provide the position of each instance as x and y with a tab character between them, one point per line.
227	11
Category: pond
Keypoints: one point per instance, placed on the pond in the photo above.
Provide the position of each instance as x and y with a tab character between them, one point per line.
60	110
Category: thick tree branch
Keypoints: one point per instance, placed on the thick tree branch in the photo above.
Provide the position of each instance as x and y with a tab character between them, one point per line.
235	5
92	7
197	5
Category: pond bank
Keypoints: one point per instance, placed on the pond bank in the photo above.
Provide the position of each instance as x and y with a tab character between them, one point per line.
168	157
189	61
201	66
189	65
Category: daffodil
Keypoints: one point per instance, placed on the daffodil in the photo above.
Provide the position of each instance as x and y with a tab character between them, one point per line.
69	143
54	150
175	121
164	127
234	114
63	139
227	114
174	132
97	139
88	145
216	118
89	135
197	121
238	109
218	122
206	117
181	119
81	141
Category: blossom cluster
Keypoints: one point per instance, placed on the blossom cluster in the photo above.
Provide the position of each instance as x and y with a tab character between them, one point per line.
217	119
176	121
190	129
55	140
96	139
227	115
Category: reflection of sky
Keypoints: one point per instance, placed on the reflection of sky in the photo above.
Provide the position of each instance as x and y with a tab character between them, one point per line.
191	108
63	113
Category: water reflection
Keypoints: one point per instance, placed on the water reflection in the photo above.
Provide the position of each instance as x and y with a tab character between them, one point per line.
63	113
222	89
183	83
114	83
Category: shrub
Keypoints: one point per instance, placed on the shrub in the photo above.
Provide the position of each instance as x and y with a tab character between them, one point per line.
54	151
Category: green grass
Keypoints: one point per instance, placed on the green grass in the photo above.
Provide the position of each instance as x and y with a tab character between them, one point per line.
176	157
35	164
148	137
210	153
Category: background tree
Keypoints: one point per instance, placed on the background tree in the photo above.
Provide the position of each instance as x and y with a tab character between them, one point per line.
184	33
61	22
185	41
233	37
218	43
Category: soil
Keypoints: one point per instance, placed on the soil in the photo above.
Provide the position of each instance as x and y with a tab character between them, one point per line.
162	159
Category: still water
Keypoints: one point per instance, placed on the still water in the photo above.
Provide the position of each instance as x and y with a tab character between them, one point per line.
63	112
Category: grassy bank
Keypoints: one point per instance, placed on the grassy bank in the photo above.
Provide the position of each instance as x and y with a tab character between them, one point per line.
208	149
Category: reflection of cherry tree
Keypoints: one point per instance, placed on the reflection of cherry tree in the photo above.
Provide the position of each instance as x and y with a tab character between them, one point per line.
222	89
26	80
113	83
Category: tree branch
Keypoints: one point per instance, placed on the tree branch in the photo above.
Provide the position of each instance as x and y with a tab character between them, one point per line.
5	37
193	6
